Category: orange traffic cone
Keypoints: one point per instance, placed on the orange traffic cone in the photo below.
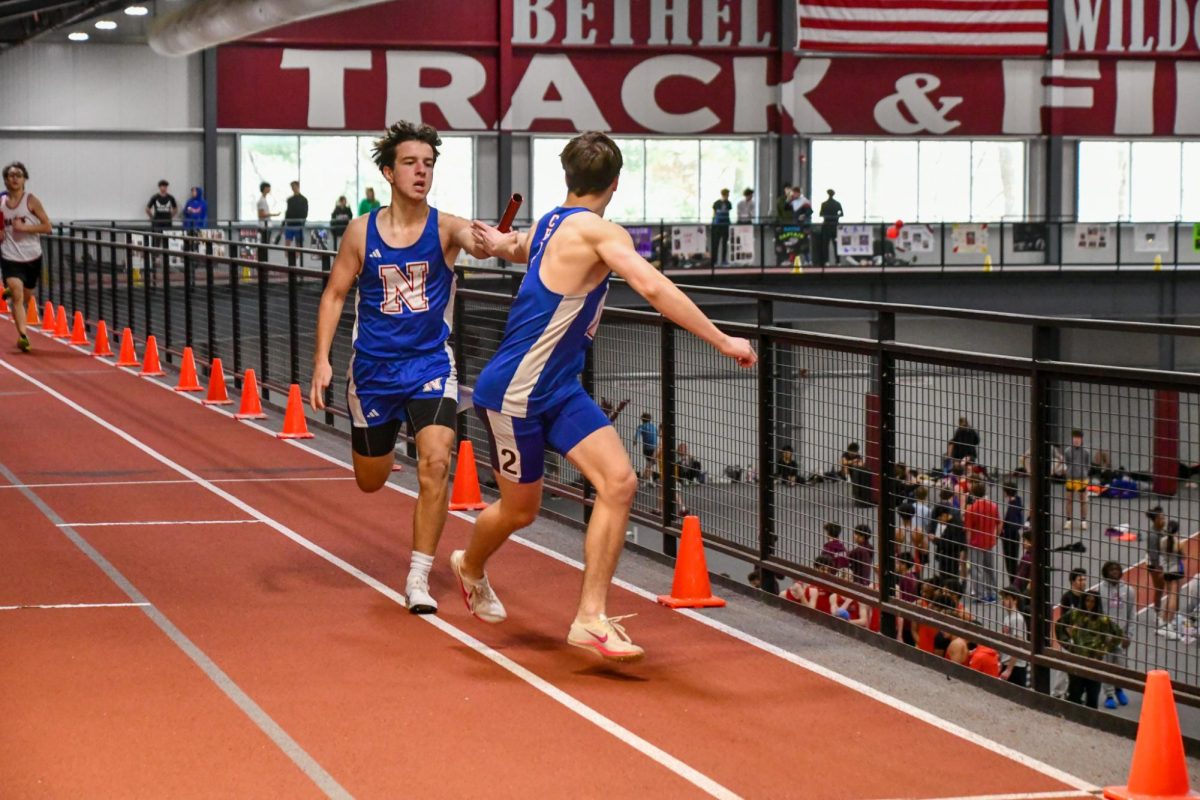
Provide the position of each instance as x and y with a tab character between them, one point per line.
78	331
48	318
102	349
150	366
1159	771
188	381
217	396
3	304
691	588
128	357
251	404
465	496
61	329
294	424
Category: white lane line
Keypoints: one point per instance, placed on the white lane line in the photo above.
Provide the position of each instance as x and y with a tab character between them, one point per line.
670	762
77	605
160	522
892	702
90	484
850	683
1019	796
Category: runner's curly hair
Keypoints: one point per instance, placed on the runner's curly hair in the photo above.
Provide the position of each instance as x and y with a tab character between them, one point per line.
384	150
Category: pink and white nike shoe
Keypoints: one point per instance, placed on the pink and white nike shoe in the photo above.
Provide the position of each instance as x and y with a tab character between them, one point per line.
607	638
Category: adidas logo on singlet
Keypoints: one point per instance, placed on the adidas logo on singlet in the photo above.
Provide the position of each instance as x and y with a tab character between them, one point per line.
376	254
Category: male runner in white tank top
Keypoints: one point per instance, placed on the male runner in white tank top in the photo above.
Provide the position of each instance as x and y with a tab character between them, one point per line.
20	245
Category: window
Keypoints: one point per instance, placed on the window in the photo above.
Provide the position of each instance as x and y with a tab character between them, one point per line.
928	180
1139	181
674	180
328	166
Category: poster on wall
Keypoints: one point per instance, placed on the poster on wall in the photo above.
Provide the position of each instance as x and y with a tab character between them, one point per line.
217	237
137	258
970	237
689	246
791	241
175	244
856	240
915	238
1093	237
643	243
247	237
1152	237
1029	237
742	245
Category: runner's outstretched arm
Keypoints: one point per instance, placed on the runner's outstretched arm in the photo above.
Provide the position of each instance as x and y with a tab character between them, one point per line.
614	245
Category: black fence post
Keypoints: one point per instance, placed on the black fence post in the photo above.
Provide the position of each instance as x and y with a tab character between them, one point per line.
293	296
189	279
667	394
73	262
263	343
885	391
209	302
236	324
114	295
1041	414
87	274
766	445
147	276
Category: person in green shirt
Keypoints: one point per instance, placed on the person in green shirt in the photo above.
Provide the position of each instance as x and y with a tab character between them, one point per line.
368	203
1086	631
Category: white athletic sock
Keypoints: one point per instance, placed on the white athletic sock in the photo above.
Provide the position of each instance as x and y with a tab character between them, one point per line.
420	565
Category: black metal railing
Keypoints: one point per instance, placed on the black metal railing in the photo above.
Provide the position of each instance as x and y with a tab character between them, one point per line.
777	247
830	437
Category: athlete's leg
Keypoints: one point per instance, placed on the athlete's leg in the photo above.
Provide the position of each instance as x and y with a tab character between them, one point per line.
374	453
17	302
517	508
434	443
602	459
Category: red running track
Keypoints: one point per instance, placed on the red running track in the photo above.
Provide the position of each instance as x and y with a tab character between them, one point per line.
271	658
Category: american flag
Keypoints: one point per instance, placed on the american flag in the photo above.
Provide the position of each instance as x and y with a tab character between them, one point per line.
967	27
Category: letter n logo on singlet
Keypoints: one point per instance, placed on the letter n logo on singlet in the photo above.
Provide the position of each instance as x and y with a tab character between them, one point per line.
400	290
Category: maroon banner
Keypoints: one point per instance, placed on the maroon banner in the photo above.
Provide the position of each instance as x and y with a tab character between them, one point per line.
1131	28
988	97
623	91
657	24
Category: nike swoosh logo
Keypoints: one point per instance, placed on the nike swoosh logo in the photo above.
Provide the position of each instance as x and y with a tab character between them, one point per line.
600	639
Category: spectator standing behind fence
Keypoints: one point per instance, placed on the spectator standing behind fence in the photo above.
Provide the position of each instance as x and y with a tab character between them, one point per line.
340	219
265	212
982	521
1173	571
1010	532
368	203
1012	624
831	212
1025	565
195	211
862	556
963	444
1072	598
1117	597
1153	538
161	209
785	468
720	229
647	436
783	207
745	208
294	218
949	538
834	547
1078	462
1086	631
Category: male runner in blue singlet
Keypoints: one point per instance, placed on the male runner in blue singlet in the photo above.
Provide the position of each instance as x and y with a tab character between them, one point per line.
402	367
529	395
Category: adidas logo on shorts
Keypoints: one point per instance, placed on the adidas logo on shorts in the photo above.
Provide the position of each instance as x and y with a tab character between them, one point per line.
373	415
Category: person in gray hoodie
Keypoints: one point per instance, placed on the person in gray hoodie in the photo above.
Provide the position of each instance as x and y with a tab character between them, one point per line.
1118	598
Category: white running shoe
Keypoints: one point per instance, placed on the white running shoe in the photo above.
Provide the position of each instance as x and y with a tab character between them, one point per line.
607	638
480	599
1067	525
420	601
1083	525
